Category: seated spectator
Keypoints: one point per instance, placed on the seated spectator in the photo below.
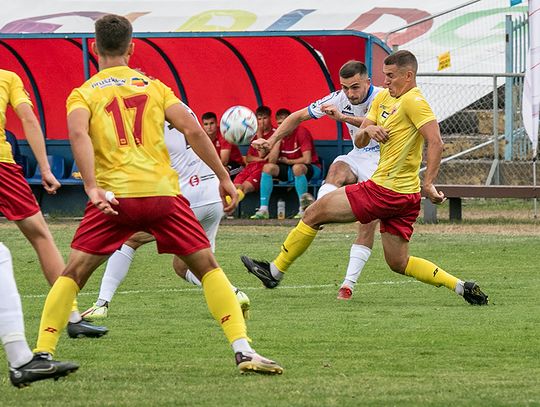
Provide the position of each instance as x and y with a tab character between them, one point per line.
295	159
17	156
248	180
230	154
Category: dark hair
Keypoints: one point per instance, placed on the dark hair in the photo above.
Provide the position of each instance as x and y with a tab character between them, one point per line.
263	111
208	116
283	112
351	68
113	35
402	59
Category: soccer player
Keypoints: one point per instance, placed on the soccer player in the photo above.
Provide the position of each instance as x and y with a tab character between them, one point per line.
230	154
400	119
12	335
200	186
348	105
295	159
115	122
17	202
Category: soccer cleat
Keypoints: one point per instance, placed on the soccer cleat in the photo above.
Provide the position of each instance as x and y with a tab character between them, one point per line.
306	200
41	367
473	295
243	300
261	270
299	215
344	293
96	312
84	329
260	215
255	363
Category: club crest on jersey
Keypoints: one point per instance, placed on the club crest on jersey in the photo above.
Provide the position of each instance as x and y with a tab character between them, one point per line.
139	82
194	180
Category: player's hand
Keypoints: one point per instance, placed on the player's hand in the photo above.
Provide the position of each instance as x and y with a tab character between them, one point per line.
437	197
49	182
228	194
332	111
263	146
377	133
98	197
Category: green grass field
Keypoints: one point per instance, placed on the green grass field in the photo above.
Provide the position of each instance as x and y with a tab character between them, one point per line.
398	342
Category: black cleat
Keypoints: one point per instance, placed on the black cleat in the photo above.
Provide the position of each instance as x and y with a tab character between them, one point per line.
41	367
261	270
473	295
84	329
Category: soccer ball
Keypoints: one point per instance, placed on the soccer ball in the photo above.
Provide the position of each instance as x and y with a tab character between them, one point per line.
238	125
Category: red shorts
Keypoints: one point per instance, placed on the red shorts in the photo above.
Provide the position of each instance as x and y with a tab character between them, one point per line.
17	202
252	174
397	212
168	218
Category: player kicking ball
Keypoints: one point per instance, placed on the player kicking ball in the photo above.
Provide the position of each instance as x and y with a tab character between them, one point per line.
401	120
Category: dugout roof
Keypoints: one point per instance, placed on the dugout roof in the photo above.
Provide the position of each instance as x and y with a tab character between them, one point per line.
208	71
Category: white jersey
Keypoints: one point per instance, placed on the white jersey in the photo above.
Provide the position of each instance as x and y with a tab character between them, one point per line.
198	183
342	103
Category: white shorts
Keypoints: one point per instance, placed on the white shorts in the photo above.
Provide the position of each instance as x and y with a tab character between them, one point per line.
210	215
362	165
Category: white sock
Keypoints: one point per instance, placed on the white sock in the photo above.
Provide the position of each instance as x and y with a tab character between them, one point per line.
276	273
18	352
190	278
115	272
242	345
460	288
263	208
325	189
75	316
11	316
358	258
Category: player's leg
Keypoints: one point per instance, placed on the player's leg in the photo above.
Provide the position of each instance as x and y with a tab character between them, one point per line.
359	255
24	367
57	305
115	272
299	174
397	257
35	229
269	171
339	174
332	208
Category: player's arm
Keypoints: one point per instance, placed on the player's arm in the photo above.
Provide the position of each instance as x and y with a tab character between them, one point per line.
83	153
333	112
273	156
369	130
305	159
225	156
432	136
287	127
33	134
183	121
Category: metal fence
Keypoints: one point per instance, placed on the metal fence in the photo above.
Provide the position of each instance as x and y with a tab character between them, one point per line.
472	109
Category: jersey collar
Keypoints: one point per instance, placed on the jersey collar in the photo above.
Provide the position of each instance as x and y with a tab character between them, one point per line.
369	92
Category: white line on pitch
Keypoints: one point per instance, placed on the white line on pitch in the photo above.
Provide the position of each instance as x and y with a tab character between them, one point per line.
180	290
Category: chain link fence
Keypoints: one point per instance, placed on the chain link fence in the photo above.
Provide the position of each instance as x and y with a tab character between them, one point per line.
471	113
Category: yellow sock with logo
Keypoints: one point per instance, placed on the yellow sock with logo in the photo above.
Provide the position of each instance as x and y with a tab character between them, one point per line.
295	245
56	313
427	272
223	304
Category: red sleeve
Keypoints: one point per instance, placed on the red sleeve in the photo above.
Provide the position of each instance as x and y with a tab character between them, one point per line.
225	145
304	139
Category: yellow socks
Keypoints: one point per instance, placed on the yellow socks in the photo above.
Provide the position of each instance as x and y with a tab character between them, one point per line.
427	272
296	243
56	313
241	195
223	304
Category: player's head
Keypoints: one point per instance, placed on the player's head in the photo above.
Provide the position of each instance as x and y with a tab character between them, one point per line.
281	115
355	81
113	36
400	72
264	118
209	122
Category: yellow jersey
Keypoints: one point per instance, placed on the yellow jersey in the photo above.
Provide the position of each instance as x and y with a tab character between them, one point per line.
11	93
127	115
401	155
